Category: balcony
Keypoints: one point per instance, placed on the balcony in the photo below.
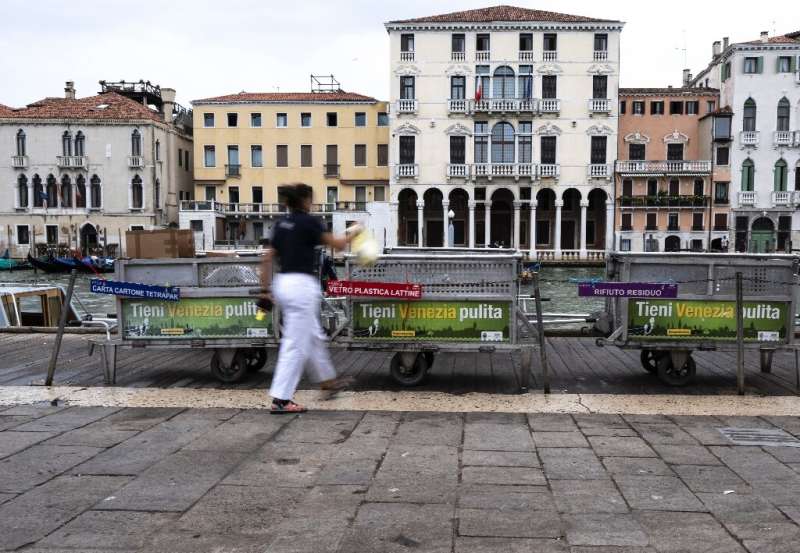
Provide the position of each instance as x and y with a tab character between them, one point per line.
71	162
749	138
351	206
721	200
407	106
599	171
783	138
600	55
747	198
458	105
698	227
647	168
549	170
550	55
202	205
673	228
663	200
331	170
651	227
507	170
505	105
457	171
407	170
19	162
549	105
781	199
599	105
457	56
233	170
483	55
136	162
406	56
526	55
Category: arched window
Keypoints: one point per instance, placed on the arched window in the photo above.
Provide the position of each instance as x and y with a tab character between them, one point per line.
749	115
503	143
96	193
157	194
38	191
784	107
20	142
66	143
503	82
136	143
22	191
137	193
748	175
80	191
781	175
66	191
51	195
80	144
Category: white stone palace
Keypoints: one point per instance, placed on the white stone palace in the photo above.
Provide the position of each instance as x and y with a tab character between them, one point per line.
504	131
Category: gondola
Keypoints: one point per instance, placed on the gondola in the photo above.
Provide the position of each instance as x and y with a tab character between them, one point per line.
46	264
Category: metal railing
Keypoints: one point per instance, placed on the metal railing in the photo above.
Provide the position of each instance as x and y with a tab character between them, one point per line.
663	200
71	161
749	138
663	167
549	105
599	105
526	55
482	55
19	162
233	170
550	55
135	162
600	55
332	170
407	170
407	56
748	198
458	170
407	106
599	170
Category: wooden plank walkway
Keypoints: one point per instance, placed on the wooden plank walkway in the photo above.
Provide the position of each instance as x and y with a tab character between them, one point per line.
577	365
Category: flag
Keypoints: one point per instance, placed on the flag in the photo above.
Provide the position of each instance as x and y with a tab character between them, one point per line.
479	90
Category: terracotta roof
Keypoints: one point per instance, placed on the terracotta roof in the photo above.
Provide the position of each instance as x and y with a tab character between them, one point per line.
795	34
782	39
287	98
4	110
503	13
109	106
675	91
724	110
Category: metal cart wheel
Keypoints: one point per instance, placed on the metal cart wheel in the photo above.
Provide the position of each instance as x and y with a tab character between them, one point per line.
649	359
255	359
669	374
234	372
430	357
408	369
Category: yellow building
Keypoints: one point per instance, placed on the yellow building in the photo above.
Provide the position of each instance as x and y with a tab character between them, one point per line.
247	145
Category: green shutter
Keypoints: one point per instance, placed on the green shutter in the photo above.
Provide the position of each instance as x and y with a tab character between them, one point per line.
793	64
760	64
778	64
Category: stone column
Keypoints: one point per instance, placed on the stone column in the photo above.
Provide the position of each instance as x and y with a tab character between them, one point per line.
471	241
420	206
533	229
609	225
446	223
584	207
487	223
394	210
557	230
517	221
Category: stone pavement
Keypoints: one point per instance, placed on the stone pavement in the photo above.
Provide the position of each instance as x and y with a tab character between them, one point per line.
102	479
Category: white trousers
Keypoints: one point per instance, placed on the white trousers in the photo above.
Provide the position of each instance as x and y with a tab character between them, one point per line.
302	340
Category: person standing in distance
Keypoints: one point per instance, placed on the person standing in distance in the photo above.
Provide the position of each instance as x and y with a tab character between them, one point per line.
296	290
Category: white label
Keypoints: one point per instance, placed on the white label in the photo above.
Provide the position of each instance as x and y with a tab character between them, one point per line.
491	336
768	336
258	333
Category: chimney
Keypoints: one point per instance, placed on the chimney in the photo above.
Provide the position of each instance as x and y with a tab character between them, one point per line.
687	77
69	90
725	43
716	49
764	36
168	99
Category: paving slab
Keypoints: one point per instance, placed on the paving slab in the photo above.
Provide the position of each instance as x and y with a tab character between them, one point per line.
385	527
787	455
6	497
509	524
9	422
637	466
177	541
13	441
354	462
68	419
559	439
711	479
686	455
377	425
620	446
509	435
140	418
187	476
34	410
499	458
108	530
587	496
610	549
283	465
686	532
513	476
754	464
571	464
739	508
430	429
40	463
506	498
320	427
247	431
604	529
35	514
93	435
657	493
663	433
510	545
543	422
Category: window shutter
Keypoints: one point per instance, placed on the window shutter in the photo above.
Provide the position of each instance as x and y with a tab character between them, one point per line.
793	64
778	64
759	64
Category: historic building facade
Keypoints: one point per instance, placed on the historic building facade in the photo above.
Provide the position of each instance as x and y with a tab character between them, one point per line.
504	130
79	172
248	145
759	84
669	197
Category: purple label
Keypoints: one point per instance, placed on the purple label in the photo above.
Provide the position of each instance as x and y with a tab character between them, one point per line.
628	290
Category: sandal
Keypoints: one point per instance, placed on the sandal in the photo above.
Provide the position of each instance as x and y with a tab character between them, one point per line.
330	388
288	407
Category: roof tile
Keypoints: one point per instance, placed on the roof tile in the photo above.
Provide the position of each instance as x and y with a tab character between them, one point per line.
108	106
503	13
288	97
674	91
782	39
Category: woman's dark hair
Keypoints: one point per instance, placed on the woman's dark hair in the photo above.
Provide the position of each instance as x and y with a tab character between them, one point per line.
296	195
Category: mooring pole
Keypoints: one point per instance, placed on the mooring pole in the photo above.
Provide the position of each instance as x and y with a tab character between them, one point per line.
540	332
739	335
62	322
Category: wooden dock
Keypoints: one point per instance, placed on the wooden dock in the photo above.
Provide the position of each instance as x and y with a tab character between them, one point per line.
577	365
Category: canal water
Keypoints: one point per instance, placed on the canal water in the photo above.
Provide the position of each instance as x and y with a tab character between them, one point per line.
558	289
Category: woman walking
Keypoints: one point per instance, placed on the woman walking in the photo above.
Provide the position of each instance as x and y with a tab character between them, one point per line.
296	289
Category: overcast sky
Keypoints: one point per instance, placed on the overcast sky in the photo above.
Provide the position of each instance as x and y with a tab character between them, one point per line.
209	47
